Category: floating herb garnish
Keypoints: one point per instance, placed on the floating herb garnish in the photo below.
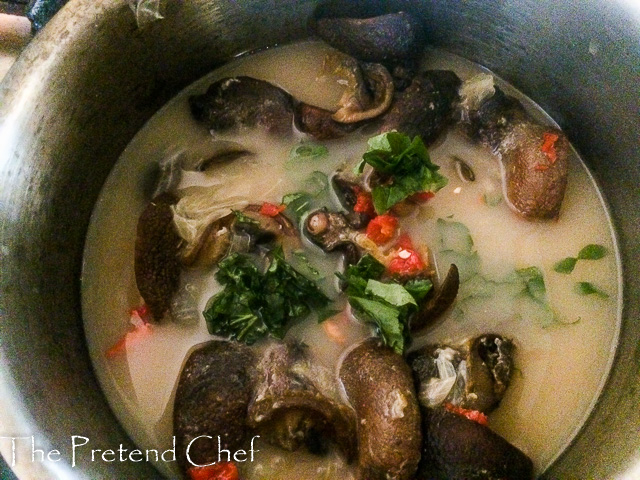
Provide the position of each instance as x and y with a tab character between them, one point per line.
306	151
407	165
590	252
387	305
586	288
314	195
255	303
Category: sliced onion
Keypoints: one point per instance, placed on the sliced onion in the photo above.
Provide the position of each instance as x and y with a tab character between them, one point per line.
435	391
475	91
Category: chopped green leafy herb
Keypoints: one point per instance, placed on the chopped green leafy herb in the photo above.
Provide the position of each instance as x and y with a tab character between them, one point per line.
468	263
368	267
535	290
566	265
524	288
306	151
242	218
456	247
586	288
408	165
299	203
530	309
386	305
232	311
480	287
492	198
306	265
592	252
386	318
418	288
356	276
534	282
454	236
255	303
317	183
392	293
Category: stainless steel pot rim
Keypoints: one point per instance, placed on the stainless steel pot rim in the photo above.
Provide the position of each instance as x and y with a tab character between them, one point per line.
70	47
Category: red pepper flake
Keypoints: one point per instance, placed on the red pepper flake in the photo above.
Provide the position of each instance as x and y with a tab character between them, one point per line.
141	328
143	312
421	197
270	210
549	146
473	415
407	261
382	228
404	241
364	202
217	471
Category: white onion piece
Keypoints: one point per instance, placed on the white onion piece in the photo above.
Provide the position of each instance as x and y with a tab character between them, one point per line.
475	91
436	390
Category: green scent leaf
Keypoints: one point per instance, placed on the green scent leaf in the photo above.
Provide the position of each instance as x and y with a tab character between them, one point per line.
304	265
492	198
367	268
586	288
538	312
454	236
592	252
386	318
298	203
534	303
418	288
307	151
407	166
242	218
566	265
316	183
534	283
255	303
316	189
468	263
392	293
290	198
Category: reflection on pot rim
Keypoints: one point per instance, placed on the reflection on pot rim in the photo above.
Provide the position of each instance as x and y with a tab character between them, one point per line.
596	451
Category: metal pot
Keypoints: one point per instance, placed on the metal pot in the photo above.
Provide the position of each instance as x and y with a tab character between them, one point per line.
91	79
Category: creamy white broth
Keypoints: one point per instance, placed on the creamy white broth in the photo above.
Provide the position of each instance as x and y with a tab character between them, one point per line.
561	368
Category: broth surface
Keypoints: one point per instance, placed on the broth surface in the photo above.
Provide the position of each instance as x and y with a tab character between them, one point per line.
561	368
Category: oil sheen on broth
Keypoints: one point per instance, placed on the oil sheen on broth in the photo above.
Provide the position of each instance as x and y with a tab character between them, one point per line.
561	368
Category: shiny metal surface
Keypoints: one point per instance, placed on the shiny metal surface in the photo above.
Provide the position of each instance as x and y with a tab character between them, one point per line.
91	79
15	34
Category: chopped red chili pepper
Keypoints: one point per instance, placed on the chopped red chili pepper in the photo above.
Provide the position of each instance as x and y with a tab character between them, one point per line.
218	471
270	210
549	146
473	415
404	241
141	328
382	228
364	202
407	261
143	312
421	197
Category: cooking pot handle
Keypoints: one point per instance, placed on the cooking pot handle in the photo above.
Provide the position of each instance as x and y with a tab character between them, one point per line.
38	11
41	11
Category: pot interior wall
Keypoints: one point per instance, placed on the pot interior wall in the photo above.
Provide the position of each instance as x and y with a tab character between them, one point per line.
91	79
